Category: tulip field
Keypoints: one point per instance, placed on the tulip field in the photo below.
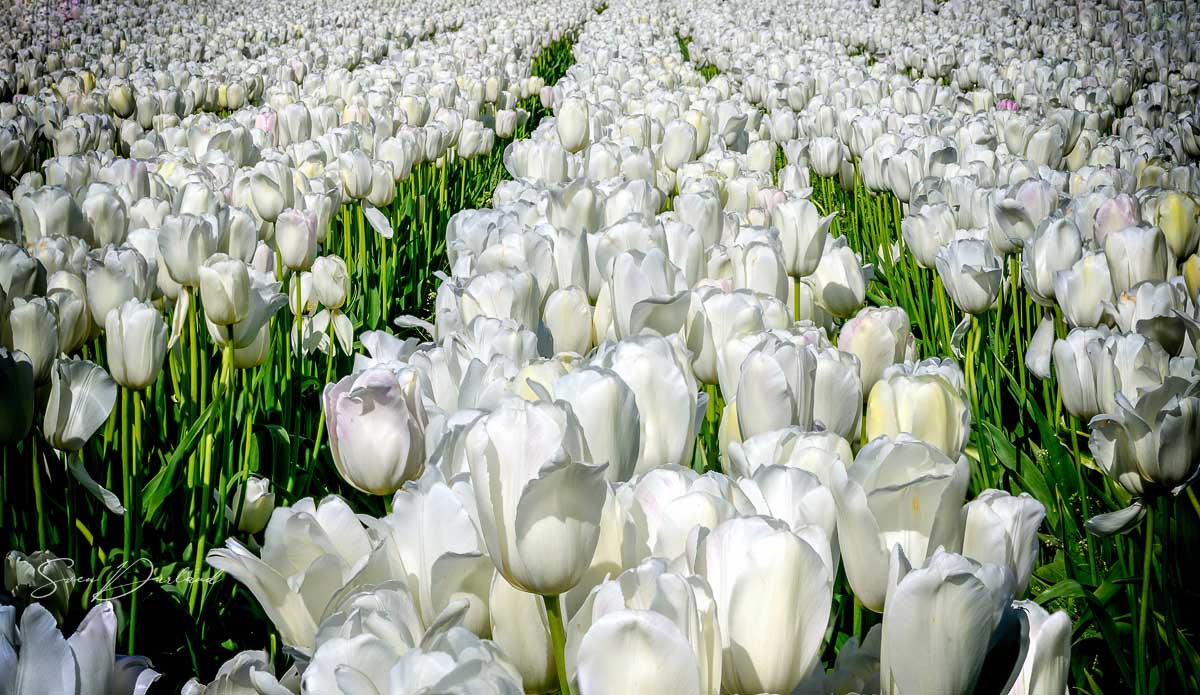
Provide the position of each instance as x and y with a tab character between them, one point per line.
670	347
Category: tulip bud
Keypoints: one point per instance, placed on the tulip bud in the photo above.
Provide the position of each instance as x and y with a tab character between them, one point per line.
802	231
1136	255
879	337
40	577
356	175
225	289
838	281
251	505
136	336
679	144
567	320
185	242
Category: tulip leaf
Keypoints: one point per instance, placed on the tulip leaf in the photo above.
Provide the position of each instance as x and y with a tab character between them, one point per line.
155	492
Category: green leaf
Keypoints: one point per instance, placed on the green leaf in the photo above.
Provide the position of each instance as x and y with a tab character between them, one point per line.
155	492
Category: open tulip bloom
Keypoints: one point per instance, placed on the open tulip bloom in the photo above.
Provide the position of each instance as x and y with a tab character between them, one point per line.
586	347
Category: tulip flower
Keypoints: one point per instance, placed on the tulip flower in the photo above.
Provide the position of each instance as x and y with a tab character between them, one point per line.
546	547
82	395
926	230
1083	290
185	242
225	289
647	612
971	273
567	321
1136	255
1001	529
758	567
32	328
243	673
301	543
1055	246
296	238
926	406
40	577
136	336
120	275
1076	373
939	622
572	124
838	281
878	337
902	492
607	412
83	663
1145	447
376	422
1047	654
252	505
802	231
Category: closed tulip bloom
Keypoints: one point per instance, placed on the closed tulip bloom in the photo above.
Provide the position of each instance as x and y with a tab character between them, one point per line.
82	396
539	503
1084	290
1112	215
837	392
972	274
1136	255
1054	247
879	337
646	630
250	505
1177	214
758	266
648	294
1047	658
607	412
703	212
120	275
185	242
838	281
136	336
225	289
383	183
32	328
354	170
51	210
16	380
376	421
572	124
271	190
1002	529
939	622
773	591
1127	364
74	318
926	406
567	321
1148	446
1073	366
20	274
926	230
776	386
105	211
802	231
296	238
900	492
331	281
664	388
679	144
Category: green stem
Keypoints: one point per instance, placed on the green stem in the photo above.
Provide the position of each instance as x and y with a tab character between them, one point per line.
1143	609
558	641
37	494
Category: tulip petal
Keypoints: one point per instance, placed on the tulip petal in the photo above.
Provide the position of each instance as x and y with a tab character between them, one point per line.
379	221
1118	522
107	498
47	664
558	525
93	644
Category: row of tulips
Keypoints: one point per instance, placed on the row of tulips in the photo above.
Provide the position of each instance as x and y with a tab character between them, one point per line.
792	357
